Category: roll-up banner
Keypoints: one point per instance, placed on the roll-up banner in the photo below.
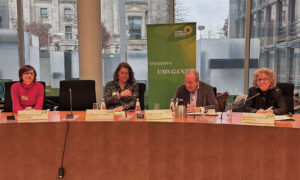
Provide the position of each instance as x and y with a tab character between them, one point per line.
171	51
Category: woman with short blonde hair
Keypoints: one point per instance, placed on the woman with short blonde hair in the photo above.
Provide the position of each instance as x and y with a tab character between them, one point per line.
271	74
264	96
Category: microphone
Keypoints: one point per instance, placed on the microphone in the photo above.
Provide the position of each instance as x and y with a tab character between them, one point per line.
257	94
70	115
241	103
12	117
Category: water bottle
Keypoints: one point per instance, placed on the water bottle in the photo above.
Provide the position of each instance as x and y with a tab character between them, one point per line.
103	107
172	105
176	103
137	106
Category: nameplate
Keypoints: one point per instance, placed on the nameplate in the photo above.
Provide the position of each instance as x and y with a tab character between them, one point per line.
33	116
258	118
99	115
158	114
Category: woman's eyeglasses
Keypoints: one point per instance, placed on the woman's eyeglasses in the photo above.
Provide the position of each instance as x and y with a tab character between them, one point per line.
28	73
263	80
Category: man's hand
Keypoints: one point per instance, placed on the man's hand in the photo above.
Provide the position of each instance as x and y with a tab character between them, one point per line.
190	108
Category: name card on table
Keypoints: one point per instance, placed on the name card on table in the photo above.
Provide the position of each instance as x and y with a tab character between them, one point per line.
99	115
33	116
258	119
159	115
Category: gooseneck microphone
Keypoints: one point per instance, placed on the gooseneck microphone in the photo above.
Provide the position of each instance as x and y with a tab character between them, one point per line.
70	115
241	103
12	117
257	94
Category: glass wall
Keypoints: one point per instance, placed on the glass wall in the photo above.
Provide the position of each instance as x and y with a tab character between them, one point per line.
9	59
220	41
278	35
50	38
52	28
124	33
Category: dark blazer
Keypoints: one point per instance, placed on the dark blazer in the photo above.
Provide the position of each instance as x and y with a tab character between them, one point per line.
272	97
205	96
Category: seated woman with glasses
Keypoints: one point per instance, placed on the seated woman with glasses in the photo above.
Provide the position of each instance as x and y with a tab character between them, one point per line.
268	98
27	94
121	93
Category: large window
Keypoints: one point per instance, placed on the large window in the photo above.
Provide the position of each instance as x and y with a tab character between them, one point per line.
124	34
220	41
135	24
9	58
44	13
277	33
52	37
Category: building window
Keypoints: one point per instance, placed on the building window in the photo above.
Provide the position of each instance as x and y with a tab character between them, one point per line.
44	13
135	30
67	13
1	22
68	32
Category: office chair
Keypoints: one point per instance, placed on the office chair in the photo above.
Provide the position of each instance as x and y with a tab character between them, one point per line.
215	91
8	100
142	89
222	98
83	95
288	94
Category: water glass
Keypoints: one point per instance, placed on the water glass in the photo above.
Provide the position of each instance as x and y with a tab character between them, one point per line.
95	106
229	111
156	106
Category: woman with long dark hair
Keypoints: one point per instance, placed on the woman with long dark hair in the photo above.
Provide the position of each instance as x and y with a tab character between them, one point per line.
121	93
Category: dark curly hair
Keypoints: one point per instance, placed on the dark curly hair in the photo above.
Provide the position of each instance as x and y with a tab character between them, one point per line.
24	69
127	66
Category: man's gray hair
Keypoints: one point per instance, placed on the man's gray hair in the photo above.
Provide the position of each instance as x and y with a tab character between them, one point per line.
196	73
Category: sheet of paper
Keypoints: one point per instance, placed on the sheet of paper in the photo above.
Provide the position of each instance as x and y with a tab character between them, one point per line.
159	114
99	115
33	116
283	118
258	118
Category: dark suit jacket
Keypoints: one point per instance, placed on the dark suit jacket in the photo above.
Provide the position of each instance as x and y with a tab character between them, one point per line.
272	97
205	96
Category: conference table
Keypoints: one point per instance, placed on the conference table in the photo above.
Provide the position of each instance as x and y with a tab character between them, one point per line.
204	147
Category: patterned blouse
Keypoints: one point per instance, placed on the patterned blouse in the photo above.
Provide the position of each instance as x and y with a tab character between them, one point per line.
112	89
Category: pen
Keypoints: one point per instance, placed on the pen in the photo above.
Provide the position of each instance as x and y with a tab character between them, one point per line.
269	108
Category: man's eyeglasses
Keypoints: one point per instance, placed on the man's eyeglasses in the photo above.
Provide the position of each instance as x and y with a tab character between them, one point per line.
263	80
28	73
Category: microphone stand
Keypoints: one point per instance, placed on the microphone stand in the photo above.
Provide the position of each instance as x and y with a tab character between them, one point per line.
70	115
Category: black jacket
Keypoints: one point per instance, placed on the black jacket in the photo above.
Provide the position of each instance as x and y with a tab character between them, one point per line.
272	97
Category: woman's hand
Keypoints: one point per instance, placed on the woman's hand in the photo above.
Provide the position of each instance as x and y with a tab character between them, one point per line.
268	111
117	109
126	92
28	108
